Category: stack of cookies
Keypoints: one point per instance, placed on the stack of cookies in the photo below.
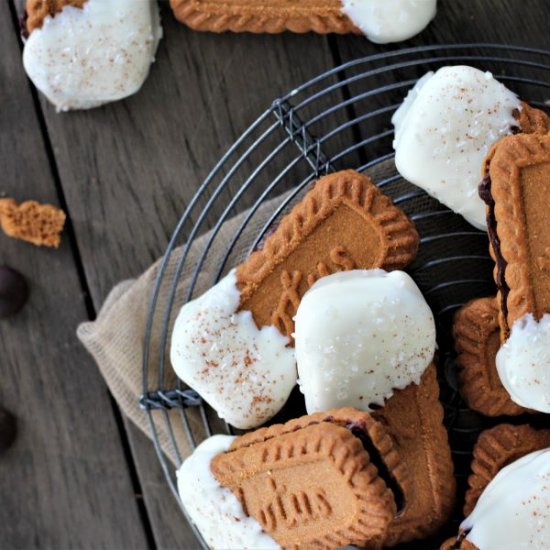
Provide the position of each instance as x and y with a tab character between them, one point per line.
323	300
325	304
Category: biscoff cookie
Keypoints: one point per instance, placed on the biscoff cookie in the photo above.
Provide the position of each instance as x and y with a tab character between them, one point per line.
495	449
275	16
38	10
516	188
476	335
414	418
508	502
321	481
39	224
345	222
379	21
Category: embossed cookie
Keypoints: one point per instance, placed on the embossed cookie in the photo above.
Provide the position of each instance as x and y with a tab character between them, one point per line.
380	21
414	418
508	503
476	334
516	189
39	224
345	222
321	481
38	10
275	16
495	449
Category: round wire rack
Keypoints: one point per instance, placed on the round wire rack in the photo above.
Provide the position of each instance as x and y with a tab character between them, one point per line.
340	119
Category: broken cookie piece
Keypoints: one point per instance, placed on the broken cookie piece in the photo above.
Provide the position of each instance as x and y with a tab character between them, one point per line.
39	224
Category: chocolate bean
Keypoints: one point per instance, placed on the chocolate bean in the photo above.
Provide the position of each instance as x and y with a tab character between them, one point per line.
14	291
8	429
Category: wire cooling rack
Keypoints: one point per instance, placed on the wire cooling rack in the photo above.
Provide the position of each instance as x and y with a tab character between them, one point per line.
340	119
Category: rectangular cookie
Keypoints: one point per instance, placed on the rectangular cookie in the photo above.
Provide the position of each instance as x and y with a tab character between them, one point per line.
496	448
414	418
321	16
344	222
321	481
476	334
516	188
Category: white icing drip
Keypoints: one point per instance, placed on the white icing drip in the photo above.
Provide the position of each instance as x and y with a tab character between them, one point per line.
384	21
445	128
359	335
214	509
245	373
82	58
523	363
514	509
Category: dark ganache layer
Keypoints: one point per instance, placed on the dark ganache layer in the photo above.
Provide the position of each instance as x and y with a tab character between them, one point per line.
487	197
358	429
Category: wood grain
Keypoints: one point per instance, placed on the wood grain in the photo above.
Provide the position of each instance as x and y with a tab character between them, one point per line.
65	482
127	171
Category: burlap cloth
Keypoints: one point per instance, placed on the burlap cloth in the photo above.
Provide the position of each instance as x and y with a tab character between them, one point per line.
115	339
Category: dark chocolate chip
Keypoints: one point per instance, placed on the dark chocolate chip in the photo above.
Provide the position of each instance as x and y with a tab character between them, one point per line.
8	429
14	291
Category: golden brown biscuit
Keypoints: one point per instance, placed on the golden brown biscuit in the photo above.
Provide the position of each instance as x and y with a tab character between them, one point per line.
414	418
38	10
516	189
318	481
344	222
39	224
495	449
275	16
476	334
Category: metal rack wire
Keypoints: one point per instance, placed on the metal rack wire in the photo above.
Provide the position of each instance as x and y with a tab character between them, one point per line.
334	121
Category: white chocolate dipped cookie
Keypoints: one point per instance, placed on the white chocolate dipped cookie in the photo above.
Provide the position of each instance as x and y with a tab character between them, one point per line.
214	509
443	130
246	374
359	335
514	509
86	56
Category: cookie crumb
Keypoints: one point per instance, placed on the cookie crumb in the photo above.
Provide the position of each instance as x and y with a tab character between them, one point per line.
39	224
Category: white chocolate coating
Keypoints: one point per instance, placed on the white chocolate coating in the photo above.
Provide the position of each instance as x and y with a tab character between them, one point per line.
444	129
359	335
384	21
246	374
523	363
215	510
82	58
514	509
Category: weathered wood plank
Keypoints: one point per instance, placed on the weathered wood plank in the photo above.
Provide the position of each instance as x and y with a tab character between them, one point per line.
129	169
65	482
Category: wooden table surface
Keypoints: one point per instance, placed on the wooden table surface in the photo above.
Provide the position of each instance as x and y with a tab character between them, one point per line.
79	475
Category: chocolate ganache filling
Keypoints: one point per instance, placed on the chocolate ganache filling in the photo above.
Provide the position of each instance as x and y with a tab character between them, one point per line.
358	429
487	197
